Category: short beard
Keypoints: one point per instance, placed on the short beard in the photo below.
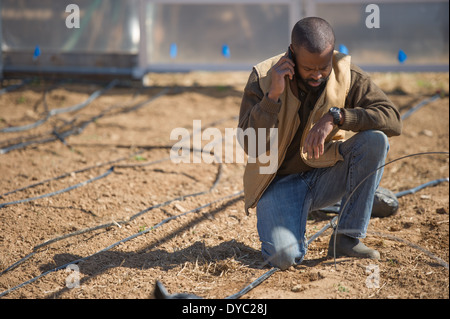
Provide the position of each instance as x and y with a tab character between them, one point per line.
322	81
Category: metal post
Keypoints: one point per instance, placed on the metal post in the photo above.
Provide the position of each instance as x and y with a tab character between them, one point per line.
1	43
139	69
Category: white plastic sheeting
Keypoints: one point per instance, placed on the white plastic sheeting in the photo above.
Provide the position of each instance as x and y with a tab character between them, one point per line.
137	36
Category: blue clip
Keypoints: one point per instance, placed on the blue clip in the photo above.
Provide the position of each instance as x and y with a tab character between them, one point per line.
36	53
402	56
173	50
226	51
343	49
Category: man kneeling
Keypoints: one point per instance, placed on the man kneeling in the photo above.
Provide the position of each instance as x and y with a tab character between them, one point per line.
313	96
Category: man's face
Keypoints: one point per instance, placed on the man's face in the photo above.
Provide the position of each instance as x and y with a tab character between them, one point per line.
314	68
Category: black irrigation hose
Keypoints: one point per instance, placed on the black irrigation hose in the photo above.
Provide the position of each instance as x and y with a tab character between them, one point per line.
67	189
82	231
273	270
411	191
57	135
114	223
336	207
26	127
54	112
218	176
120	242
333	224
35	124
420	187
14	87
131	218
66	175
80	129
420	105
88	168
25	200
254	284
403	241
364	179
260	279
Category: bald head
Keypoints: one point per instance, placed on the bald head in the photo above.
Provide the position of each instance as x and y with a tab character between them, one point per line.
314	34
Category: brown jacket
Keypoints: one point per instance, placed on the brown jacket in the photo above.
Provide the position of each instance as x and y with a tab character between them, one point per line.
364	106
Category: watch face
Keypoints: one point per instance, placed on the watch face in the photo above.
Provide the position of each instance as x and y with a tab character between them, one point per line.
335	112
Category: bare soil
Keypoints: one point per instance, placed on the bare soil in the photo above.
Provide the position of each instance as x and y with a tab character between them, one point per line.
212	251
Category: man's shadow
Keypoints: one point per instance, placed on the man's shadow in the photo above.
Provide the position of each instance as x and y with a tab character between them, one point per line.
152	256
198	253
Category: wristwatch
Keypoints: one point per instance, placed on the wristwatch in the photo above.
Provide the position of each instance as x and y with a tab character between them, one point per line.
335	112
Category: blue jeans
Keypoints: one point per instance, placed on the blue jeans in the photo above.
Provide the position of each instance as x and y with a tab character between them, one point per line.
283	209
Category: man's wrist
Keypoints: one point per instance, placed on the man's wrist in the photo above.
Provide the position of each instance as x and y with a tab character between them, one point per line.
342	118
336	115
268	105
273	96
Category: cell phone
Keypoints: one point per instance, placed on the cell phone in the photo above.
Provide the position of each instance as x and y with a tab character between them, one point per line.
291	54
292	57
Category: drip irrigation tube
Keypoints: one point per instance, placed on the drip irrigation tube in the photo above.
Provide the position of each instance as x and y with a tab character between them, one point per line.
82	231
419	106
333	224
25	200
131	218
54	112
14	86
228	197
255	283
370	174
88	181
75	130
273	270
115	223
67	174
425	251
420	187
337	207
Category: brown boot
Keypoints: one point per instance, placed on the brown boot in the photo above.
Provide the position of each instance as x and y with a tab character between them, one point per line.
351	247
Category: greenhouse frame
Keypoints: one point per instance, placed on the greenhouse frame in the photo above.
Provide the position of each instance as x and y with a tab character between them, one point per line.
135	37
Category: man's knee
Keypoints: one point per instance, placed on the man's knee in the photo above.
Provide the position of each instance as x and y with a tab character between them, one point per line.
371	146
284	251
376	140
283	261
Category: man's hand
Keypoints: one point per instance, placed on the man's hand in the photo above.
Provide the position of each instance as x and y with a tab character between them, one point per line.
284	67
315	140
